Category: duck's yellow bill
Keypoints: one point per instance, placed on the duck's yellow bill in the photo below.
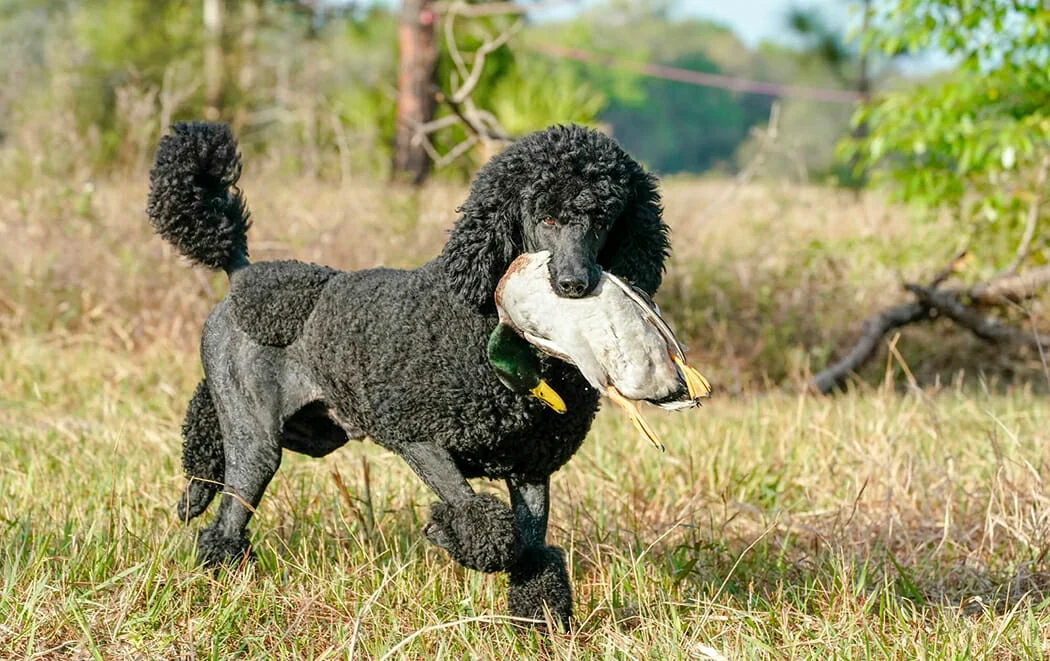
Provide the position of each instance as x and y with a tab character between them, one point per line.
548	396
695	382
635	415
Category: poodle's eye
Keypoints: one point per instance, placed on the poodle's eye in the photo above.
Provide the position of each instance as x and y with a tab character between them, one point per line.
547	220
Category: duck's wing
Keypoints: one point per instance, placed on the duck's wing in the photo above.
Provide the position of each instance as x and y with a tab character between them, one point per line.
697	383
652	315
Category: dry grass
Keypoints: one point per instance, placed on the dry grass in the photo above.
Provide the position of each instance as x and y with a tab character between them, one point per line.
873	525
879	524
766	282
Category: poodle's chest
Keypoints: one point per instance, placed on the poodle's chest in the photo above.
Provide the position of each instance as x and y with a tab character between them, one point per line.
406	365
489	430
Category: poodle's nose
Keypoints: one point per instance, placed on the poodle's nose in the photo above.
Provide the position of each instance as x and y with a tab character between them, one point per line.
572	287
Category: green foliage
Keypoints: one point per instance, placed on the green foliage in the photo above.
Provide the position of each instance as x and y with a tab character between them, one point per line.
542	91
976	140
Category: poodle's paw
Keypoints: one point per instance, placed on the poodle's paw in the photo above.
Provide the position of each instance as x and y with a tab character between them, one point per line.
214	550
195	499
479	534
538	580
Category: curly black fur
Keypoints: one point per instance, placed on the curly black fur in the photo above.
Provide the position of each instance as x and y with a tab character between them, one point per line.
272	300
539	579
479	534
215	550
302	358
193	202
202	457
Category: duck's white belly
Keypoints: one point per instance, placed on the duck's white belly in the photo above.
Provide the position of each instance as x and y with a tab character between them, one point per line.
602	334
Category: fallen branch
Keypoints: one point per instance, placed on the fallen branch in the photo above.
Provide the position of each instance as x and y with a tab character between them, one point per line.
1010	288
873	330
956	304
983	326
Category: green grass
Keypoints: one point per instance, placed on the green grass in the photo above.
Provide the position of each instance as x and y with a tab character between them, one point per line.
873	525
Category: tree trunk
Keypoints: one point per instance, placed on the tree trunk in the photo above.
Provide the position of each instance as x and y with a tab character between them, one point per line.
860	131
213	60
248	26
417	68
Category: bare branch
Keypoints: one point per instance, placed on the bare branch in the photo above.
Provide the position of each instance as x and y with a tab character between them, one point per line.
950	303
1009	289
457	151
450	41
952	267
428	146
876	327
982	326
436	125
873	330
471	81
173	93
483	126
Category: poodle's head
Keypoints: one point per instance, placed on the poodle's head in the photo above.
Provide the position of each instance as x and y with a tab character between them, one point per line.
567	189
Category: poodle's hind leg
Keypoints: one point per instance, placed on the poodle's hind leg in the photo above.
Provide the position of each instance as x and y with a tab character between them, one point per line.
247	404
539	580
202	454
252	458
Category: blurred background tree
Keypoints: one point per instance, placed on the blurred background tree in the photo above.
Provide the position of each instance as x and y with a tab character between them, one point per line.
312	86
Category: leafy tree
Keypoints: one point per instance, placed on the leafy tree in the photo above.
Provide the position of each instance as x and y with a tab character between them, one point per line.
540	92
975	141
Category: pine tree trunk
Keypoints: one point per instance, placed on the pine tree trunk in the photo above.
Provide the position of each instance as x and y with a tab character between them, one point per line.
416	103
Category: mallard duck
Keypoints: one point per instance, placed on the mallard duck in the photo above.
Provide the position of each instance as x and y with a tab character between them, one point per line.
615	337
517	364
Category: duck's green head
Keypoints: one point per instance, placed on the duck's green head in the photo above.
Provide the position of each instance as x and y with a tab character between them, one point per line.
517	365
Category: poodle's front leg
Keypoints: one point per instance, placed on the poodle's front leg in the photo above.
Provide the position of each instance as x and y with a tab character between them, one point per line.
477	530
539	578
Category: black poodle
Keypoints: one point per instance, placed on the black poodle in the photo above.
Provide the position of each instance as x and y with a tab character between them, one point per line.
305	358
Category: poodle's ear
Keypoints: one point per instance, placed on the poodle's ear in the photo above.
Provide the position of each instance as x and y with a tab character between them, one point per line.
483	243
638	244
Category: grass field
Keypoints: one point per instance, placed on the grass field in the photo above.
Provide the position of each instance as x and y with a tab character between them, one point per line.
894	521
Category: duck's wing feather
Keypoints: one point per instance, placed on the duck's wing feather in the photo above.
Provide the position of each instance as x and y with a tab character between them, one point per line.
652	314
547	346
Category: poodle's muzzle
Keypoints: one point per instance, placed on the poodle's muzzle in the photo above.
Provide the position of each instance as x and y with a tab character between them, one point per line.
574	269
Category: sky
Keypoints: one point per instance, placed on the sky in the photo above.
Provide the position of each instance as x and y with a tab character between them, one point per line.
755	20
752	20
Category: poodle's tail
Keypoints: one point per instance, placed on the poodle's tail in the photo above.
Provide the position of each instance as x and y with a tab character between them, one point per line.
194	202
202	454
